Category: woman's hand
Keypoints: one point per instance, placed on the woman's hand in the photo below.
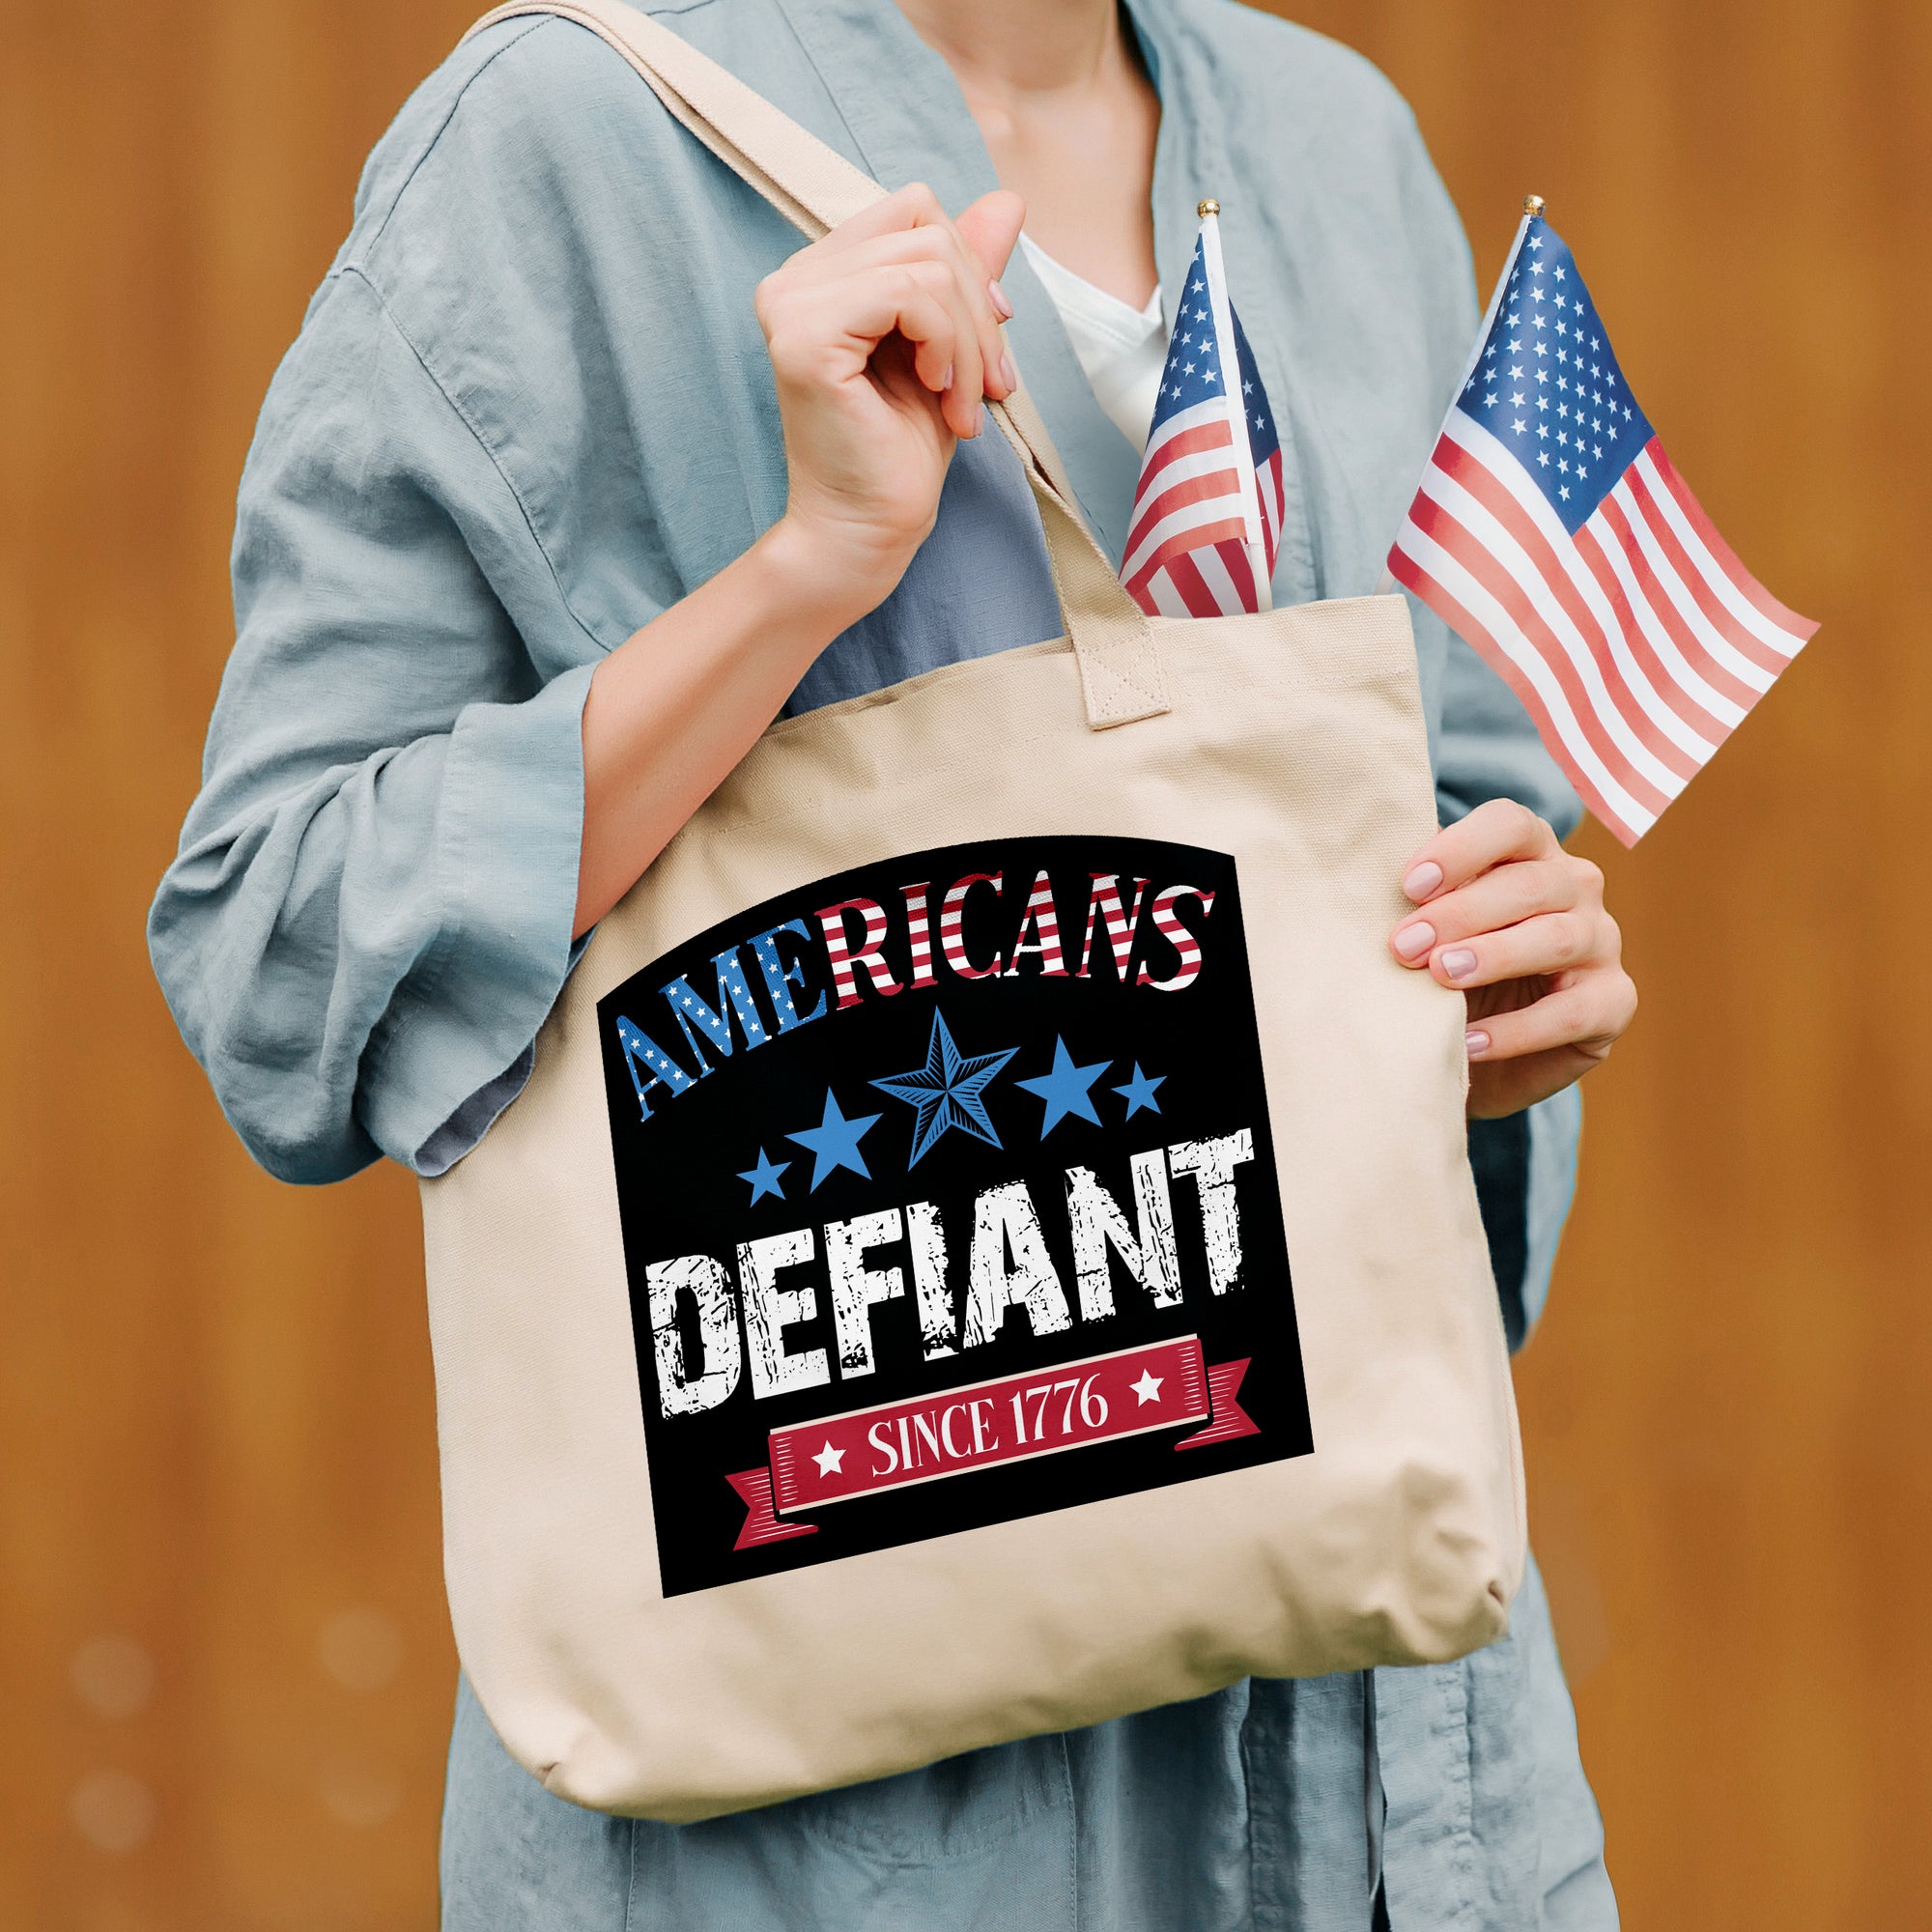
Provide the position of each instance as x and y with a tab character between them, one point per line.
884	338
1519	925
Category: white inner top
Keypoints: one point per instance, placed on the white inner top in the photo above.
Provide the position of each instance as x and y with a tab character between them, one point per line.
1121	348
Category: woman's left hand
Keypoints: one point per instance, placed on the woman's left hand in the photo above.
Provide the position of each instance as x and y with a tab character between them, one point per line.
1518	925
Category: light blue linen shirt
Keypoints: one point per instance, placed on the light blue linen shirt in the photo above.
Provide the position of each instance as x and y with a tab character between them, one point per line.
529	410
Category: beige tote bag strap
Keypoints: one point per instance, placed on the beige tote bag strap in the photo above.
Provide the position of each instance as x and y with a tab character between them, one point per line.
815	190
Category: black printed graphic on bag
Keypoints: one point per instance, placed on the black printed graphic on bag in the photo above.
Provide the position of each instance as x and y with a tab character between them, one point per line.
949	1198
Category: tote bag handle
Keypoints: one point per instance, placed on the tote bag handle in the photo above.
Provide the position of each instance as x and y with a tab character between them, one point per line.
815	190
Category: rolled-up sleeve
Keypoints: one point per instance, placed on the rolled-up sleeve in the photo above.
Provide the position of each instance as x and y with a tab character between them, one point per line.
370	913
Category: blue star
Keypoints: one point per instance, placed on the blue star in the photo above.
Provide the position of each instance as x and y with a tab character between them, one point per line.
764	1177
835	1141
1066	1090
1138	1092
946	1090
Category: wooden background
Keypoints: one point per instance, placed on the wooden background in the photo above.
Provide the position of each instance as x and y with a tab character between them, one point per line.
225	1671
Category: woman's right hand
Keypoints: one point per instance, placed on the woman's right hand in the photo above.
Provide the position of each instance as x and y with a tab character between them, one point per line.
884	338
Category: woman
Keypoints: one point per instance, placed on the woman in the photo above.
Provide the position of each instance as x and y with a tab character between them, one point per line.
580	472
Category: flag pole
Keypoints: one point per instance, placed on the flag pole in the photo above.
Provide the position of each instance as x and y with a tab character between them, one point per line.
1533	206
1209	212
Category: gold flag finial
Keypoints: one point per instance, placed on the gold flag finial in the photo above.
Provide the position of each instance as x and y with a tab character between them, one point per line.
1209	206
1532	205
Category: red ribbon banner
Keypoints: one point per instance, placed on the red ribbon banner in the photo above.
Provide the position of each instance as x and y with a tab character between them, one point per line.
1103	1399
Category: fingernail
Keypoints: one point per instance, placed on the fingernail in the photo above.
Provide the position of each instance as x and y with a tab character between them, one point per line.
1477	1042
978	417
1423	881
1009	375
997	295
1459	963
1413	941
946	380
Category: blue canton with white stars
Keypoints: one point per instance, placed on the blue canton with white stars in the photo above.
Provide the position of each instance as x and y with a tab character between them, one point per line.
1546	384
1193	372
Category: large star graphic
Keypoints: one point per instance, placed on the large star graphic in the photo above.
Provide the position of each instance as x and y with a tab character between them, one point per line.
764	1177
946	1090
828	1460
1138	1092
1066	1090
835	1141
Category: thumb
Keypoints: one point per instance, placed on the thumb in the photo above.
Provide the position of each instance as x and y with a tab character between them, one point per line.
991	226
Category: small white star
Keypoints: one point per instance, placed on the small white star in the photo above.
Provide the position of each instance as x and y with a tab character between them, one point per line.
1563	491
1147	1388
1521	427
828	1460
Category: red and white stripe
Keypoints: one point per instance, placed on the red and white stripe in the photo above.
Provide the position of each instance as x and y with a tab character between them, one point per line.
1167	922
1104	903
1637	645
846	959
1187	551
919	930
1044	920
952	914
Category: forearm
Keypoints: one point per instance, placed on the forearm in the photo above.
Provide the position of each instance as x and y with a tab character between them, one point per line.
884	339
676	706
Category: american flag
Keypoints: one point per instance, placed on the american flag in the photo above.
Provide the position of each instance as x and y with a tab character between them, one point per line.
1553	533
1206	517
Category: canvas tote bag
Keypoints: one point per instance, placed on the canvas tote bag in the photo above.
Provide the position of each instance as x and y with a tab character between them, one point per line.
988	1242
